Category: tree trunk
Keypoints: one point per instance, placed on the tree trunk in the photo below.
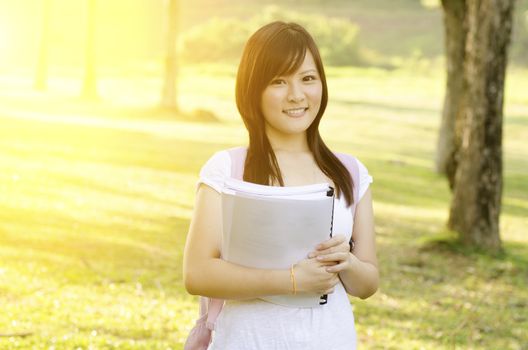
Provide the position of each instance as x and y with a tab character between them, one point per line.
476	201
169	97
89	89
41	76
455	42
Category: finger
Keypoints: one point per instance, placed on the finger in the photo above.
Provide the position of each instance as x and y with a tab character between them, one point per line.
329	291
337	268
336	240
343	247
317	253
340	256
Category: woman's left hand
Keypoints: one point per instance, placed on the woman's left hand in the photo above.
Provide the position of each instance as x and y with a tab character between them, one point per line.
335	251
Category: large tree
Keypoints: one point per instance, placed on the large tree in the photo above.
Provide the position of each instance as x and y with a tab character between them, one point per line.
476	159
169	97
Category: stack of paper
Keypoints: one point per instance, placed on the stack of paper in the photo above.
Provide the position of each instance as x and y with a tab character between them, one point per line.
273	227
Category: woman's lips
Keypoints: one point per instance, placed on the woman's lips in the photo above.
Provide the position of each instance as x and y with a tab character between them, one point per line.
295	112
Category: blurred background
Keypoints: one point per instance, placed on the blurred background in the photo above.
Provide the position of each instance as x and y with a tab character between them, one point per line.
109	109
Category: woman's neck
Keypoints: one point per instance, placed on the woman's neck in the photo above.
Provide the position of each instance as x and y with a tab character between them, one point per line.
289	143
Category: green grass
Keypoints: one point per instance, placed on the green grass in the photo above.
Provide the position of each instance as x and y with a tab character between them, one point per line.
95	203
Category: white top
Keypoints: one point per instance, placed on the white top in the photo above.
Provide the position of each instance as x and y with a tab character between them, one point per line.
259	325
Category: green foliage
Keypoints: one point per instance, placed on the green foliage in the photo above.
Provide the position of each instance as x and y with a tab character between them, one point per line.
219	39
222	39
388	29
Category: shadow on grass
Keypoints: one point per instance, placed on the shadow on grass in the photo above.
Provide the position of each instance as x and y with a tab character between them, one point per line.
75	106
76	143
407	185
520	120
410	186
385	106
439	292
99	185
514	253
80	252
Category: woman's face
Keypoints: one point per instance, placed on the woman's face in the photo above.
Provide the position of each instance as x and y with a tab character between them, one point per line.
291	103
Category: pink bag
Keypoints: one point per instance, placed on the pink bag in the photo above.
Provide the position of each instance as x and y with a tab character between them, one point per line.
200	336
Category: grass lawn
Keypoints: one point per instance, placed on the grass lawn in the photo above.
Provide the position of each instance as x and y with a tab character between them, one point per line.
95	203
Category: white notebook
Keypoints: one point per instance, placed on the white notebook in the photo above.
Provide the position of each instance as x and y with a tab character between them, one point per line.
272	227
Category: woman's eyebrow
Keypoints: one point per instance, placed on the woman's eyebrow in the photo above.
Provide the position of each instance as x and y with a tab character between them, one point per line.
307	71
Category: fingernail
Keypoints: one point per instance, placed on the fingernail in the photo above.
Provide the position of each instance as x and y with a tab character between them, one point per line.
319	258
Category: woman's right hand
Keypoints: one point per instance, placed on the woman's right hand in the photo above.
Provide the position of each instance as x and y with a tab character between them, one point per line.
311	277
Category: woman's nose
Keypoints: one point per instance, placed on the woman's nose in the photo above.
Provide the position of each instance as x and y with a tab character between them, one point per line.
295	93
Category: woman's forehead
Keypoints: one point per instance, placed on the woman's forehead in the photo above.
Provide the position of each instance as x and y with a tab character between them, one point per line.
307	66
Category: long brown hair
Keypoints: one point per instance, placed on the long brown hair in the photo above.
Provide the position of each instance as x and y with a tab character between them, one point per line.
276	49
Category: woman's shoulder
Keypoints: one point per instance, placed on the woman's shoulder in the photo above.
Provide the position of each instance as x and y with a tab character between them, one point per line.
215	170
219	161
219	166
223	158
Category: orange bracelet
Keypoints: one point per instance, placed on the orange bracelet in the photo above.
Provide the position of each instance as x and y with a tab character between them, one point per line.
292	277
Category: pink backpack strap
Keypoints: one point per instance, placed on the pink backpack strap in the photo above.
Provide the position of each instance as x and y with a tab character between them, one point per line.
200	336
352	166
238	160
215	306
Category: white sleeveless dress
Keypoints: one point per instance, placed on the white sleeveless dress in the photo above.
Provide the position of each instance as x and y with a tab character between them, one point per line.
259	325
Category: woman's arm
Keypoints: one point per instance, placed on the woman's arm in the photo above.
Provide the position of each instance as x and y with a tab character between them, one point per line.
204	273
358	270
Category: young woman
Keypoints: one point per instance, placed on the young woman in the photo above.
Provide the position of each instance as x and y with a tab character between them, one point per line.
281	94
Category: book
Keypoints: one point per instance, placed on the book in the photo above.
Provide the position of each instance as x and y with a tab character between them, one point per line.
272	227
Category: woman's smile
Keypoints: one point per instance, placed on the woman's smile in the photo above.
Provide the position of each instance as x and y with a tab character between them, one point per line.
295	112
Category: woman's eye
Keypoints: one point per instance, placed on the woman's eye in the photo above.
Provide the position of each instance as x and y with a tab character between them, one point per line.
277	81
310	78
